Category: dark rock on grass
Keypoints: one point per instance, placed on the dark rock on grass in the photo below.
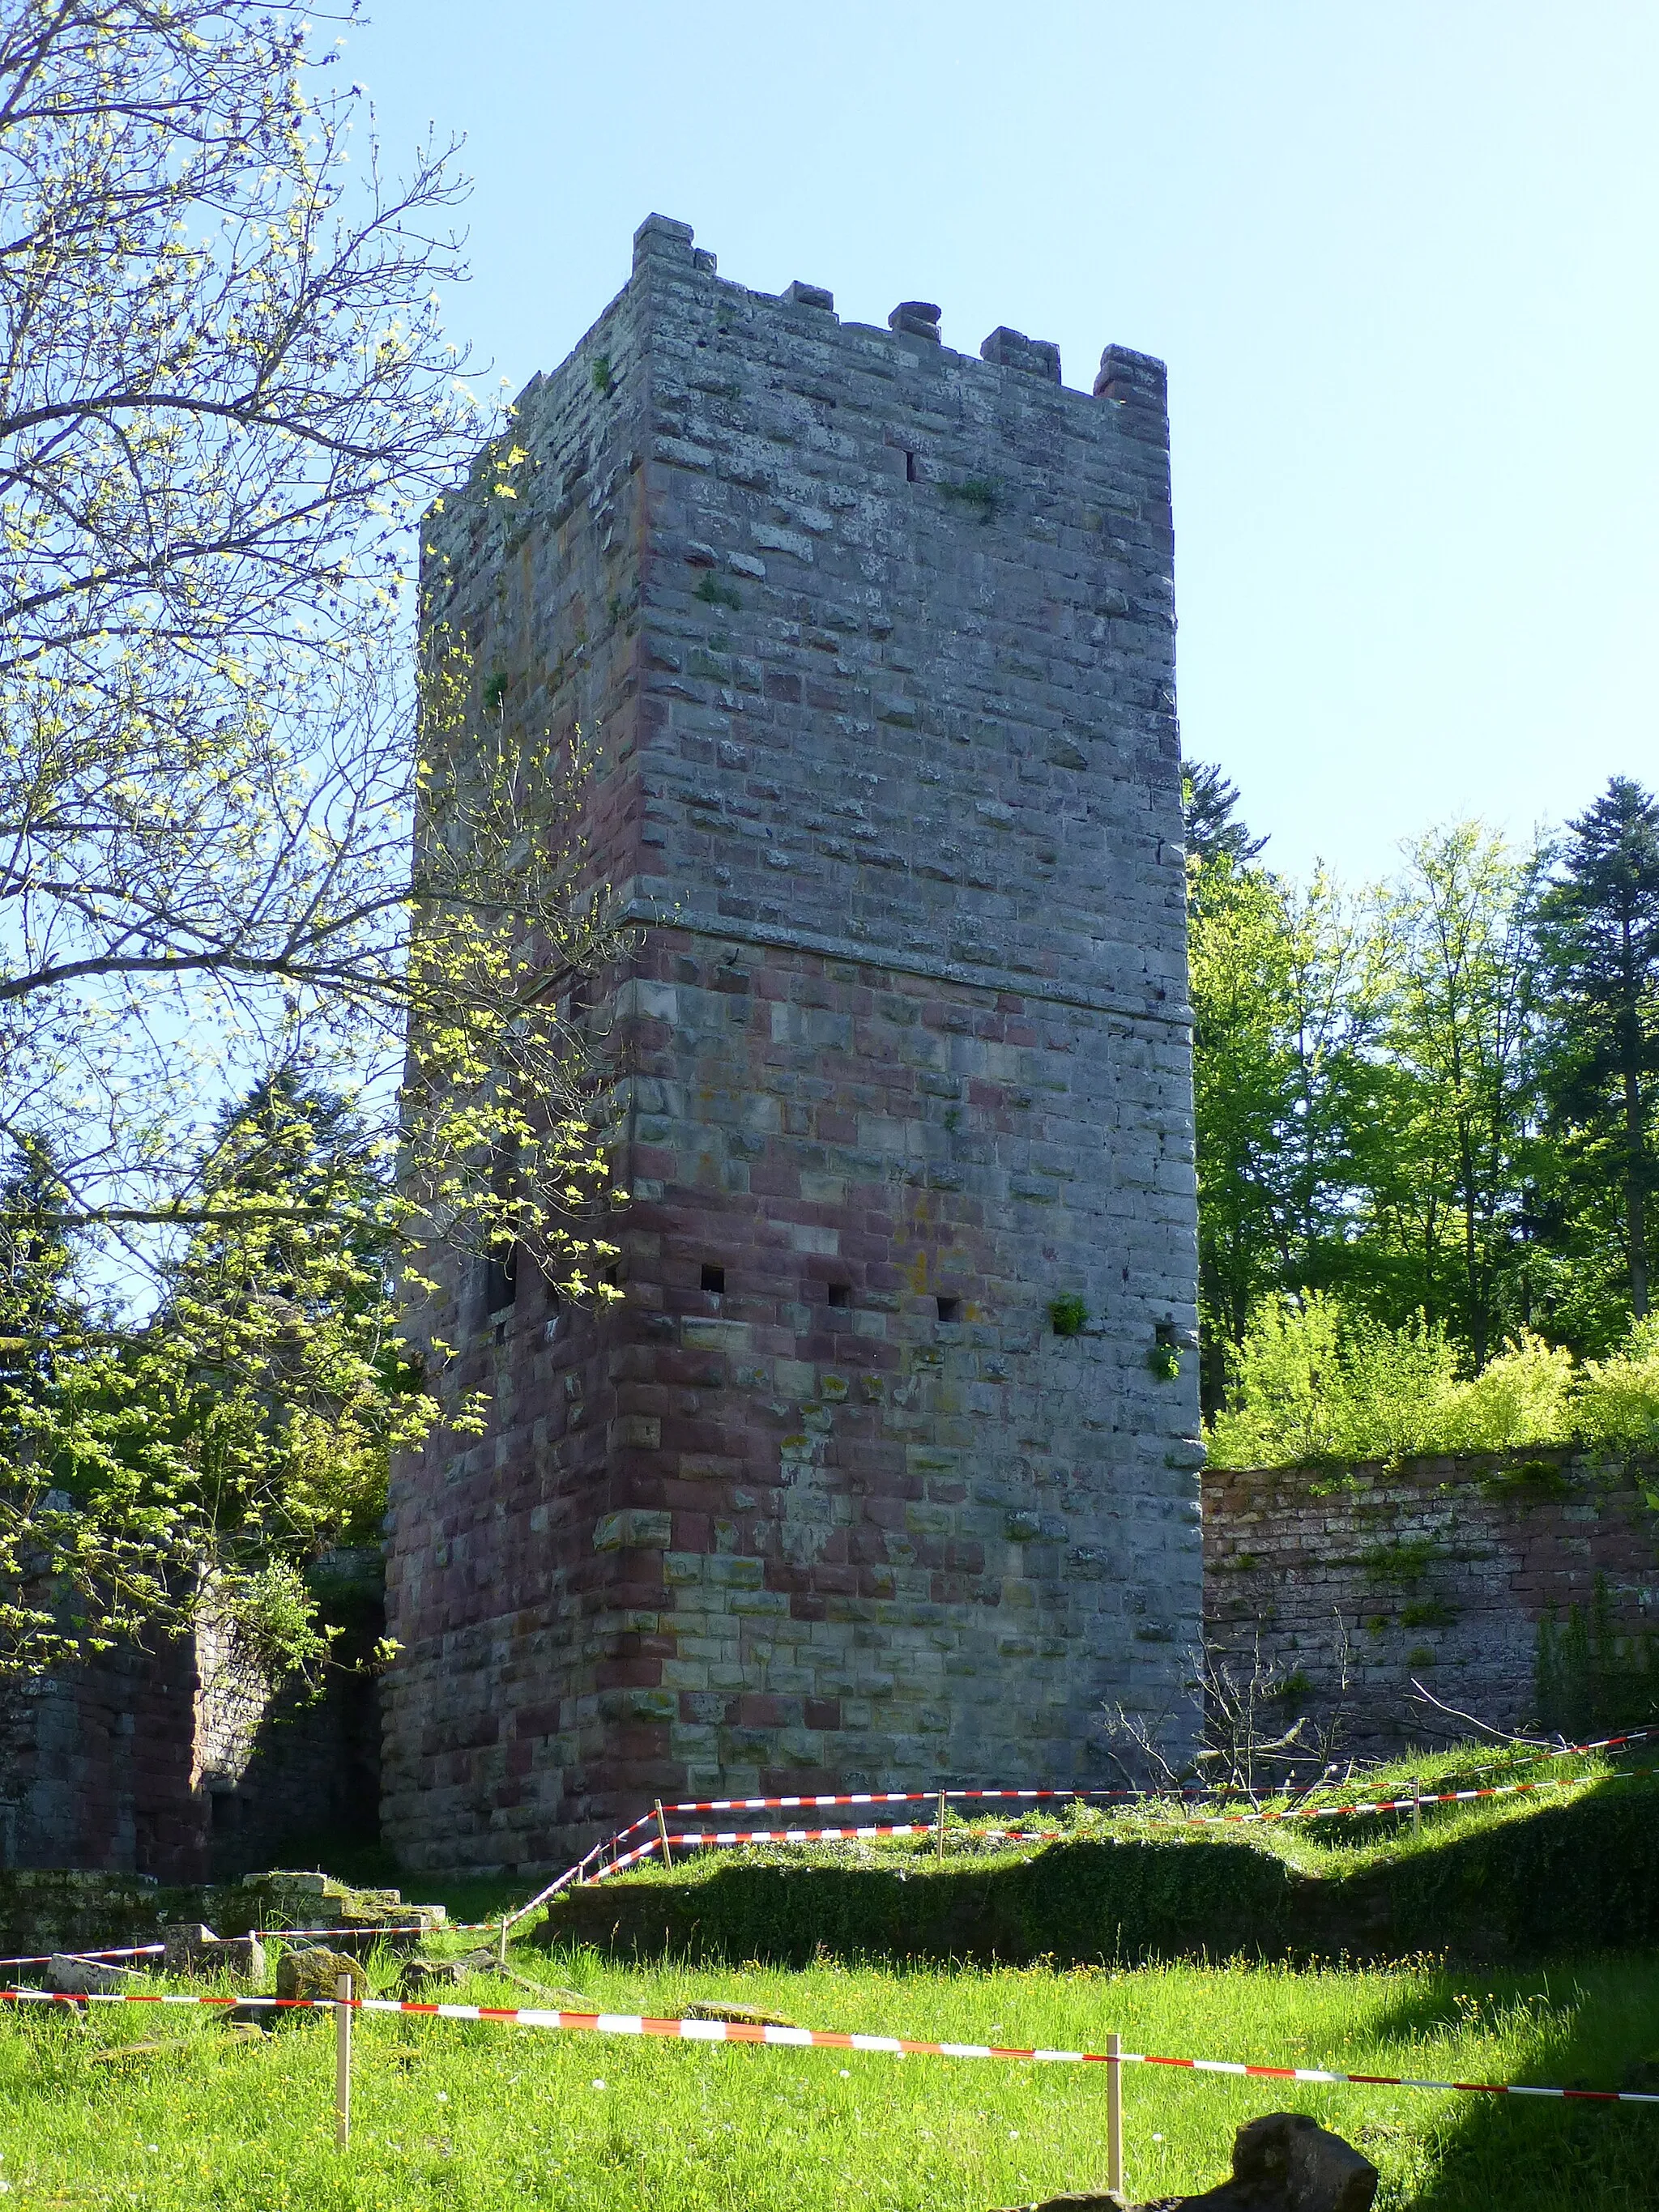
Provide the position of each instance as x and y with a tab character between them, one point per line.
312	1972
1283	2163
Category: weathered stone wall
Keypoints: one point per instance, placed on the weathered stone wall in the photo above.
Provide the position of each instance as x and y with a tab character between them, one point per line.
183	1763
877	639
283	1770
1440	1569
99	1767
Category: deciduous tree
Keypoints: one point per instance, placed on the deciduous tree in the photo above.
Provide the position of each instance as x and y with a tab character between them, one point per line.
224	393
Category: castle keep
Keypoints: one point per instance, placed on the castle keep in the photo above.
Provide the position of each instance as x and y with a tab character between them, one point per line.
879	1475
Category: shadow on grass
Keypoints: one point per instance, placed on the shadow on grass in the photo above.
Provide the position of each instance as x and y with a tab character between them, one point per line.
1591	2023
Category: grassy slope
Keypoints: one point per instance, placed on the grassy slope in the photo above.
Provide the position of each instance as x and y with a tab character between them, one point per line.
464	2117
1514	1878
458	2116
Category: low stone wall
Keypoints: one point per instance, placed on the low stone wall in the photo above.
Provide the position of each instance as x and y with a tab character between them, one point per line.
54	1910
1521	1589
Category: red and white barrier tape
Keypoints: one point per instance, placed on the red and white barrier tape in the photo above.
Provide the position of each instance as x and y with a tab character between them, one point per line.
917	1796
1405	1804
817	2039
735	1839
730	1838
563	1880
119	1951
580	1872
696	1837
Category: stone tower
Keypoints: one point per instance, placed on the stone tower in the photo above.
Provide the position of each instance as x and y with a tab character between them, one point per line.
878	640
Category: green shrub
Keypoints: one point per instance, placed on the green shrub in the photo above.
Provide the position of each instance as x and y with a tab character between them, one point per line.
1282	1385
1617	1399
1524	1397
1312	1383
1393	1386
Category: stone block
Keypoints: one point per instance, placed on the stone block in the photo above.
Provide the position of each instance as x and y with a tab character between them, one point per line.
634	1529
735	1573
193	1948
310	1974
72	1976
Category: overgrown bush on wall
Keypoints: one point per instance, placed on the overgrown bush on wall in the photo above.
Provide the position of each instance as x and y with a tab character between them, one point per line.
1312	1382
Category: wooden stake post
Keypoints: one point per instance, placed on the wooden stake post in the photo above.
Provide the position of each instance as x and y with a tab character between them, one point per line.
1114	2113
941	1824
662	1830
342	1987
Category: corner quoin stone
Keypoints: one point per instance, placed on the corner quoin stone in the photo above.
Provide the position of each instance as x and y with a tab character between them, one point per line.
878	638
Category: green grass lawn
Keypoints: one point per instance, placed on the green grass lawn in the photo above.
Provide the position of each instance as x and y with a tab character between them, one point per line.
449	2114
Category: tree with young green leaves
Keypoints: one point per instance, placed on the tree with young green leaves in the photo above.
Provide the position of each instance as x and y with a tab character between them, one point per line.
1288	989
1461	1045
213	1449
224	395
1244	1081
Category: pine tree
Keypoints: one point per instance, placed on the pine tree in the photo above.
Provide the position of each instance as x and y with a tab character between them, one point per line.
1601	934
1208	806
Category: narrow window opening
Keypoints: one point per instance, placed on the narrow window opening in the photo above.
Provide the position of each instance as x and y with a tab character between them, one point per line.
501	1278
949	1309
909	468
841	1295
714	1278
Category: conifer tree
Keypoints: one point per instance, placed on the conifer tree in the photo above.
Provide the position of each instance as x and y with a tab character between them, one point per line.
1601	935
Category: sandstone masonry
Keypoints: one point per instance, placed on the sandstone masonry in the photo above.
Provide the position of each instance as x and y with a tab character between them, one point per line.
1441	1570
878	642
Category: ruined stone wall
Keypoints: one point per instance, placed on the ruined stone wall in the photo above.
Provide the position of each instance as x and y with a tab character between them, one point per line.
181	1762
878	642
1443	1570
99	1768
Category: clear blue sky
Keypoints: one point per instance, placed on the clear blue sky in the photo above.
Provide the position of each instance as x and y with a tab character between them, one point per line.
1400	258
